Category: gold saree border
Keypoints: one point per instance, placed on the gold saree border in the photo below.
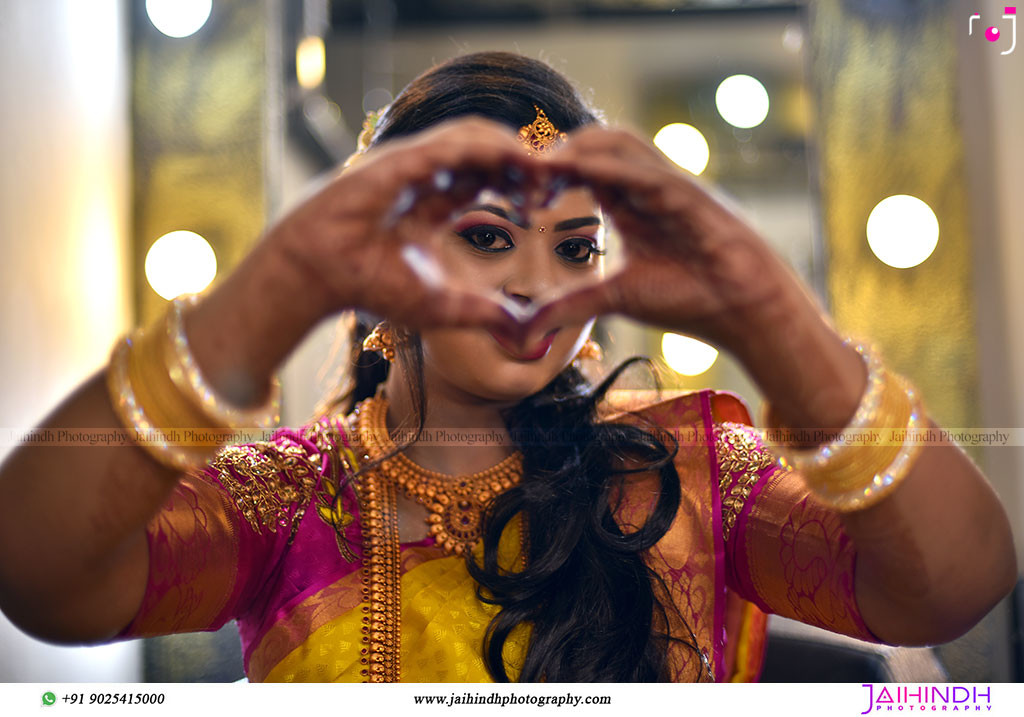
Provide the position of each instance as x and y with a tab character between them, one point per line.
687	558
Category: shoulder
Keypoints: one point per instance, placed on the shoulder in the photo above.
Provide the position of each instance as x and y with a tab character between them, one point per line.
674	405
738	447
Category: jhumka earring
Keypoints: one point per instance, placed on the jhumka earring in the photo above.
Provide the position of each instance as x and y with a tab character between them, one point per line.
590	350
382	339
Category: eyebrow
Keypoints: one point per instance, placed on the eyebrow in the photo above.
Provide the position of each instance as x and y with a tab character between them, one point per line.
560	227
577	223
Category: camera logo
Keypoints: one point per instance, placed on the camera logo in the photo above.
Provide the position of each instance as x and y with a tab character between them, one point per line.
993	33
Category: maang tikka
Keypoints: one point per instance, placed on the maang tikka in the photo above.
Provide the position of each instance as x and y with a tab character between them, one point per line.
541	135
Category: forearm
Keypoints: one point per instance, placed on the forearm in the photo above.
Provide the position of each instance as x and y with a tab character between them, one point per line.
937	553
804	370
247	325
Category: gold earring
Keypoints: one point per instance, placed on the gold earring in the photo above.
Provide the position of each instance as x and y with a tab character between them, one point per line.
382	339
590	350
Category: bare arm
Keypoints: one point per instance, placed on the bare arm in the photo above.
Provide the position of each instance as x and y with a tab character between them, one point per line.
73	547
935	555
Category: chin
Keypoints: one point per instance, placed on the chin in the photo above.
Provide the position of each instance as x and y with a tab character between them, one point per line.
510	386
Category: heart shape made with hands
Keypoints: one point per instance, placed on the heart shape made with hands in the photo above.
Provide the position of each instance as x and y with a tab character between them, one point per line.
527	254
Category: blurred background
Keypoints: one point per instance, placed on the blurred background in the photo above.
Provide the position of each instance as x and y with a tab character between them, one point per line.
876	145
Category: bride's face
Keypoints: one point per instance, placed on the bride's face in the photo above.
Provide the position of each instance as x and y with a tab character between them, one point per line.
528	261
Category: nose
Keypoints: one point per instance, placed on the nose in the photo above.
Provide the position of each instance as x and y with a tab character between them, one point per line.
531	275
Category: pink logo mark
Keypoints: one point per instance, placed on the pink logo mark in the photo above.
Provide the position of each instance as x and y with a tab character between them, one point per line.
993	34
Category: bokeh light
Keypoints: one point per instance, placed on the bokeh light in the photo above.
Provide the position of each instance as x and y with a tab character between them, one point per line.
310	62
902	231
181	262
178	18
687	356
685	145
742	101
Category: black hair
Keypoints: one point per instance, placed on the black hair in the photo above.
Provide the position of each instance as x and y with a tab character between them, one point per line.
585	592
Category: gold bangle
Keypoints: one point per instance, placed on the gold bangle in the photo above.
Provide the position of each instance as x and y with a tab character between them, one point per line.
880	469
155	438
863	417
158	392
850	474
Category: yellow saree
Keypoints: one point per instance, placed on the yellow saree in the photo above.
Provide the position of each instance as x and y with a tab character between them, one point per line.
258	537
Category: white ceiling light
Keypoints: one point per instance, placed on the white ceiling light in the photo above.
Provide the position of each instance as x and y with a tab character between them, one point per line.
686	355
742	101
902	231
178	18
180	262
685	145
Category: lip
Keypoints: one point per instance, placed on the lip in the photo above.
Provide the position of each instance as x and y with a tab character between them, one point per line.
538	352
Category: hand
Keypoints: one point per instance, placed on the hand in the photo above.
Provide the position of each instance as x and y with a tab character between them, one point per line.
364	241
691	265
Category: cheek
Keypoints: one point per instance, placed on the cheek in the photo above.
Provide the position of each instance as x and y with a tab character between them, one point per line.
467	269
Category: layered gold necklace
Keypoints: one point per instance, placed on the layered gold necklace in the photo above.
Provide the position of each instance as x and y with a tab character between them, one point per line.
456	506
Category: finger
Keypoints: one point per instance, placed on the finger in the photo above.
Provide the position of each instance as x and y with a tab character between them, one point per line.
594	140
630	193
455	307
445	163
605	297
462	146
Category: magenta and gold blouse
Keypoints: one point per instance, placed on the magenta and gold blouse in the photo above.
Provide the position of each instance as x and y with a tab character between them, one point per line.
259	537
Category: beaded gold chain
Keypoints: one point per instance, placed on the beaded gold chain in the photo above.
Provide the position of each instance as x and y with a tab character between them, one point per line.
456	505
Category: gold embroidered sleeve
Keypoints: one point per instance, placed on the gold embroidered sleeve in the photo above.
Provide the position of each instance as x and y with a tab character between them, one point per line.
222	530
270	483
785	552
742	462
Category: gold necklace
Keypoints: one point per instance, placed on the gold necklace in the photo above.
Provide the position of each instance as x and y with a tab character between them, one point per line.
455	502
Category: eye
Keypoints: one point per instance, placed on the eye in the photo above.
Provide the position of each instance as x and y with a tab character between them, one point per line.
578	250
487	238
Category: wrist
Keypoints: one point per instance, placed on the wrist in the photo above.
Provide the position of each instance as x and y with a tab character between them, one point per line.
806	372
243	330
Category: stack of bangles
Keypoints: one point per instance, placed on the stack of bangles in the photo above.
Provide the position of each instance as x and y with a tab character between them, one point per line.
159	393
866	460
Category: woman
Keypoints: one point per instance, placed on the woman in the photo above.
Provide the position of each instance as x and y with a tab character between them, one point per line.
571	544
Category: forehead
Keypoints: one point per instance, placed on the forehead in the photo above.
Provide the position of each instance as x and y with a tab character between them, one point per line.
577	202
570	204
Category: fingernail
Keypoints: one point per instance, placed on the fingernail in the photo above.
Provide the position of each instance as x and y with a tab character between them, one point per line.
405	201
515	213
443	180
519	313
423	265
